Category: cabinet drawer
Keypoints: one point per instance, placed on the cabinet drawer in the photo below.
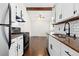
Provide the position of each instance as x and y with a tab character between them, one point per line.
73	52
20	37
14	40
65	50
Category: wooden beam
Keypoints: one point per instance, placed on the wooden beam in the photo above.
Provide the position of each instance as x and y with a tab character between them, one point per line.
39	8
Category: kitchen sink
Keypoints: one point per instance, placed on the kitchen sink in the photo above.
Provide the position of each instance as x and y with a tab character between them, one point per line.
60	35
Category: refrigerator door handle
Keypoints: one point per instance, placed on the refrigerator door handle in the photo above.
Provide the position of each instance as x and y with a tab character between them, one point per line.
9	7
8	25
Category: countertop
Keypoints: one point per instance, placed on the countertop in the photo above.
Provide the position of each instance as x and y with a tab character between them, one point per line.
15	35
68	41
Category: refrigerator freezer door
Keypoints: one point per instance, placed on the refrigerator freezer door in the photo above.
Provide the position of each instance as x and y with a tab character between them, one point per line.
4	13
4	36
6	33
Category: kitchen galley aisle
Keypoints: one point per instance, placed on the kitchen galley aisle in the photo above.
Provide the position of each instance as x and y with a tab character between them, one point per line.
37	47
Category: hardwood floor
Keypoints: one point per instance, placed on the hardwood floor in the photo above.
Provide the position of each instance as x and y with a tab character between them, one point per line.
37	47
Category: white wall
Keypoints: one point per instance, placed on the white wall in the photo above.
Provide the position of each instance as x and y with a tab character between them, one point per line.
39	26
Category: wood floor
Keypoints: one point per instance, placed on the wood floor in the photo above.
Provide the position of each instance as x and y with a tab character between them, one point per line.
37	47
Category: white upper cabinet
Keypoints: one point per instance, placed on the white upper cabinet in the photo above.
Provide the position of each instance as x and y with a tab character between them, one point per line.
64	11
67	10
76	9
53	15
18	9
58	12
13	15
13	11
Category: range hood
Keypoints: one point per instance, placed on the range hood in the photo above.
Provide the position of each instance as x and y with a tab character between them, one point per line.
19	19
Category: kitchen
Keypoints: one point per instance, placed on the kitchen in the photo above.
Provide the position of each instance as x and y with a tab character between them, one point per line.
39	29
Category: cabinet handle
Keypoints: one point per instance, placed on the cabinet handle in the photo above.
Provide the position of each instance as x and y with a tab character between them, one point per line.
67	53
75	12
19	46
51	46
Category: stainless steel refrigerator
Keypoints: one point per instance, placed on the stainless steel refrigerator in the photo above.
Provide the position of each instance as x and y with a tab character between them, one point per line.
5	31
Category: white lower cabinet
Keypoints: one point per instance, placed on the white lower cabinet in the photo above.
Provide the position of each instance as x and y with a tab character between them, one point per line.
16	48
56	48
13	50
20	46
67	51
56	51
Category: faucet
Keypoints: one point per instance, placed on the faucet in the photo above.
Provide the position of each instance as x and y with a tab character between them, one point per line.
68	30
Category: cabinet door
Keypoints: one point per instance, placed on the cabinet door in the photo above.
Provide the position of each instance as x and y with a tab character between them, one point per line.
76	9
50	45
13	49
67	51
20	46
67	10
72	52
13	11
64	50
56	51
13	15
54	47
58	12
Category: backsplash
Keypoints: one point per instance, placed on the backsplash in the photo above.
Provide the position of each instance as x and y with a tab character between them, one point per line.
74	28
59	28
